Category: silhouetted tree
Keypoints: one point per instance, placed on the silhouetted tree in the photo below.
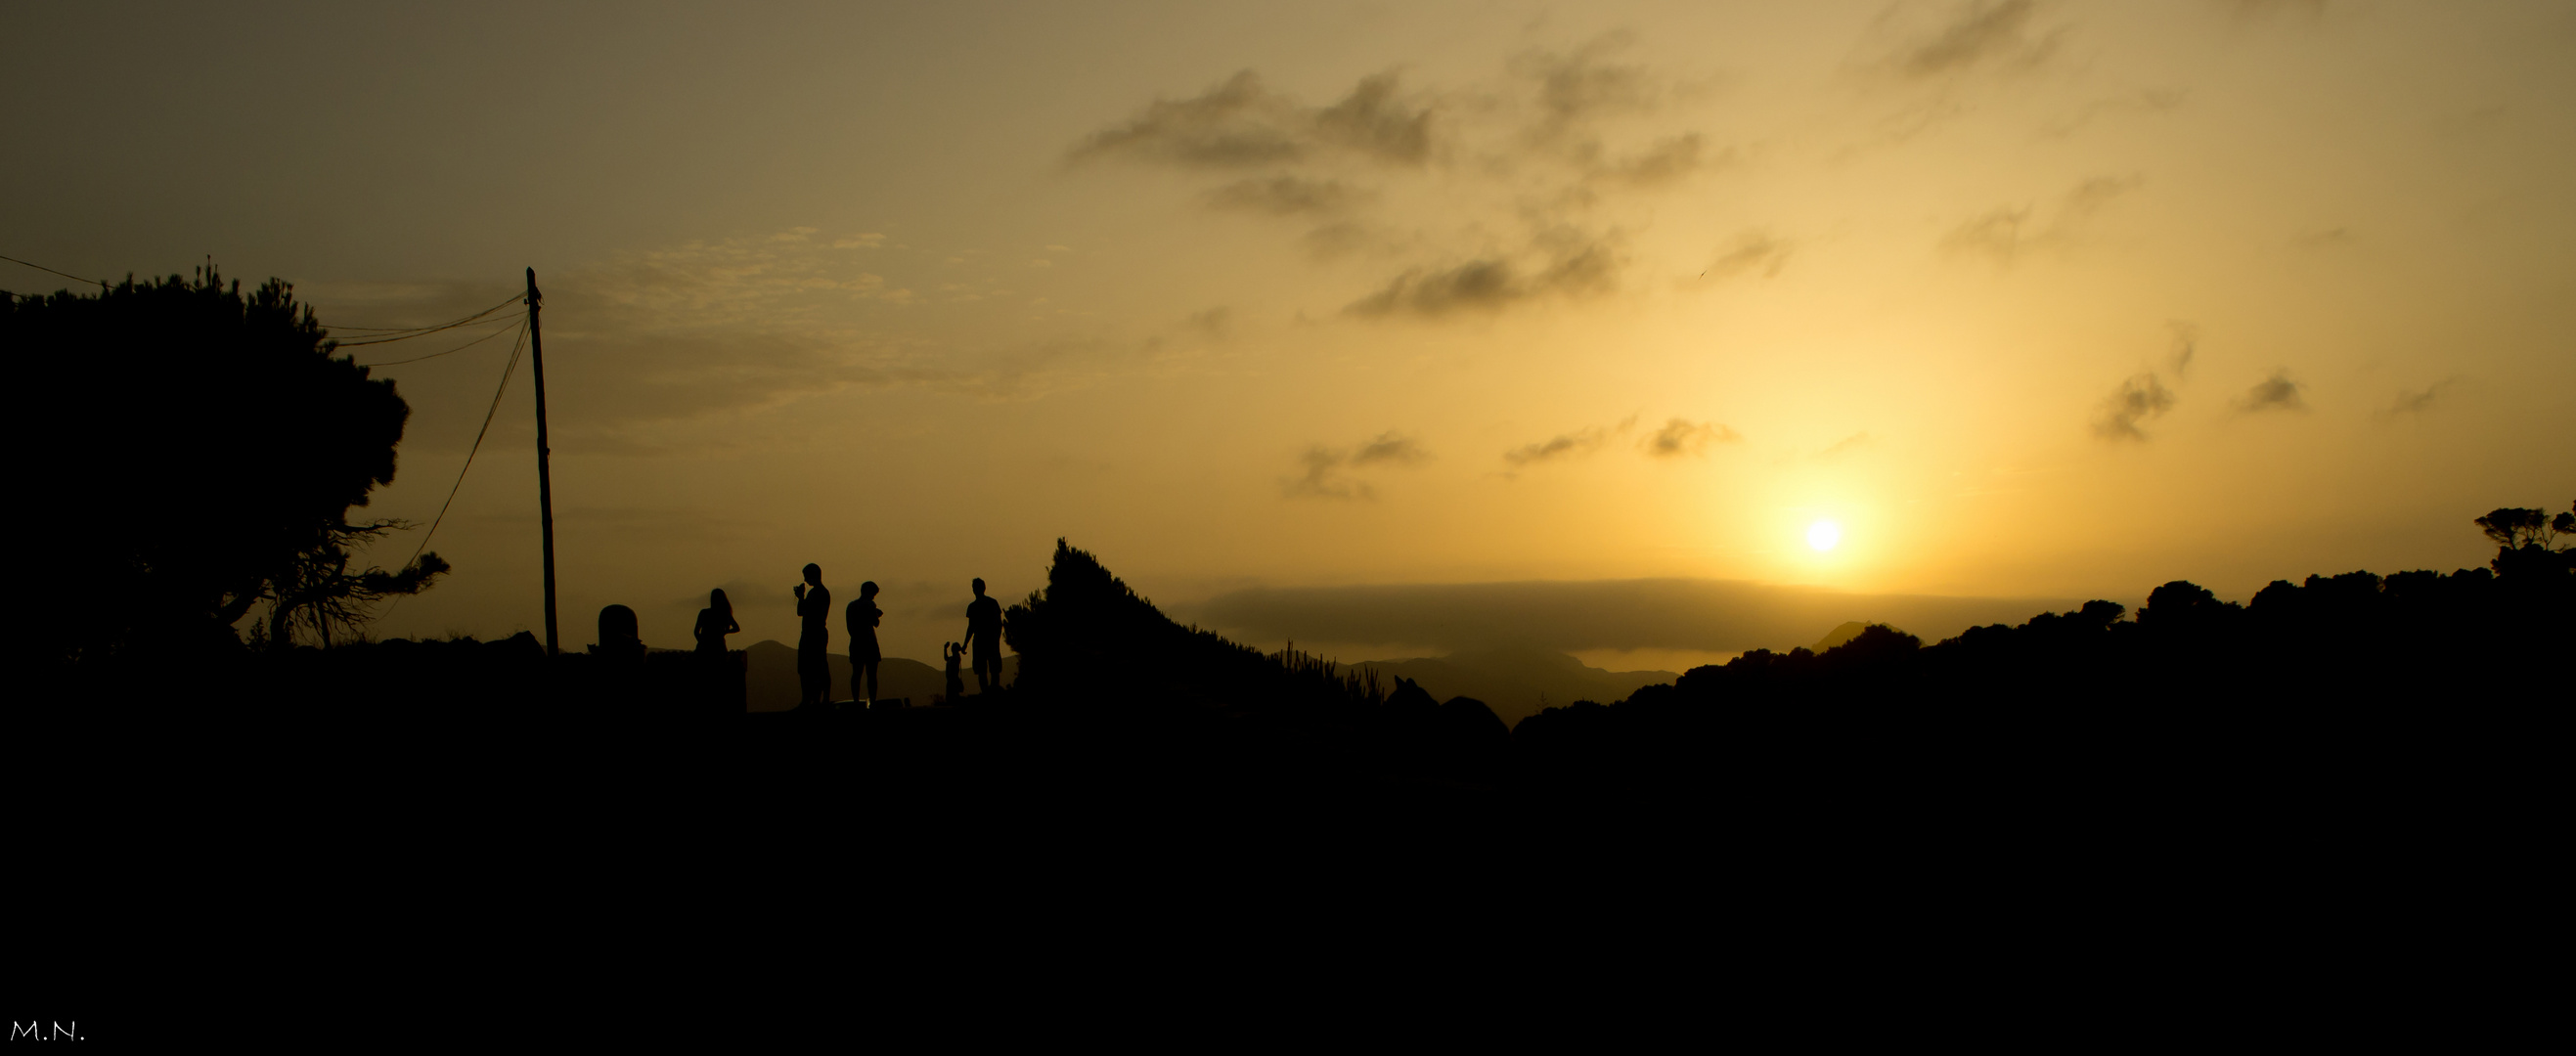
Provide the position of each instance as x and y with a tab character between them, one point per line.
2523	538
2184	607
200	455
2514	528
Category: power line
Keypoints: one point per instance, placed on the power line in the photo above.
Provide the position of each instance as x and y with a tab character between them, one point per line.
379	339
65	274
452	351
506	371
380	331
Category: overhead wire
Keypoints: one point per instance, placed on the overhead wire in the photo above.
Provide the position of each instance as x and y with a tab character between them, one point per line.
380	330
406	335
460	348
506	371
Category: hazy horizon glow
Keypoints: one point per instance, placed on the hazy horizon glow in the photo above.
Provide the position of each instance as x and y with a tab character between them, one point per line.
2028	299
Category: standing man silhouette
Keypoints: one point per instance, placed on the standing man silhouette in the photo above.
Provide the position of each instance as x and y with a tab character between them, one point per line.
861	617
984	636
813	662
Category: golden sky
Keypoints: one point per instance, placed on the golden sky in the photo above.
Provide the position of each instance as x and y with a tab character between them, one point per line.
2035	300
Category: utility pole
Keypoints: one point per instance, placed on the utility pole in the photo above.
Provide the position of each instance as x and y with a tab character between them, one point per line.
545	477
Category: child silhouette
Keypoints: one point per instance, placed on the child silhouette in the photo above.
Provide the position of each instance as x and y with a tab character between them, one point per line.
953	687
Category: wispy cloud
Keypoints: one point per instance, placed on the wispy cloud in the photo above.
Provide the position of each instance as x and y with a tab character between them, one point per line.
2005	234
1575	444
1568	263
1666	161
1285	196
1751	252
2186	344
1579	87
2144	101
2417	401
1566	137
2140	399
1324	472
1563	445
1681	436
1978	35
1390	448
1242	123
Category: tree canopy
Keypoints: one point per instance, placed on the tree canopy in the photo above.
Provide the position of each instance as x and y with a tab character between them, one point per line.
199	452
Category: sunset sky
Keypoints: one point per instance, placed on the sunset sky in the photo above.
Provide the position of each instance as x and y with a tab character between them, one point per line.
1285	310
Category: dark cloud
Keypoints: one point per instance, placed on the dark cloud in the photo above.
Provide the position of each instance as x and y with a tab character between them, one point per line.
1324	472
2139	399
2275	393
1997	234
1577	87
2186	344
2091	195
1372	122
1235	123
1681	436
1213	324
1576	263
1241	123
1478	285
1994	35
1711	615
1582	441
1390	448
1284	196
1577	95
1322	478
2416	401
1580	263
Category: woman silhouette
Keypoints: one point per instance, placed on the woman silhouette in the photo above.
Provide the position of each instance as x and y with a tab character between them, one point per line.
862	617
714	622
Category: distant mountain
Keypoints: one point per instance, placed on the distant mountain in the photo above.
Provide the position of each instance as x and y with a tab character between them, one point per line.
1838	636
772	686
1513	681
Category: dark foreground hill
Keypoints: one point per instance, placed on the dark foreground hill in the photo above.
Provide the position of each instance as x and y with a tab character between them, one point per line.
2325	726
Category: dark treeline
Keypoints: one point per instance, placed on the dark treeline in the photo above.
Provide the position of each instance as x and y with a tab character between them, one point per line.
2398	672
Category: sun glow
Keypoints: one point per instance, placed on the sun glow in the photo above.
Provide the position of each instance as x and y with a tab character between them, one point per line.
1822	535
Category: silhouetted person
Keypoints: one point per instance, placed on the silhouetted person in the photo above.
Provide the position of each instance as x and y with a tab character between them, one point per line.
952	686
862	618
813	661
715	622
617	634
984	636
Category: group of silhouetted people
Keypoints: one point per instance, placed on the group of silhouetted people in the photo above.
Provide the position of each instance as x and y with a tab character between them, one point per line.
982	643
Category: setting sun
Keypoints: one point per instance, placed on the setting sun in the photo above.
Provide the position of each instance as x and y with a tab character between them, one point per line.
1824	534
